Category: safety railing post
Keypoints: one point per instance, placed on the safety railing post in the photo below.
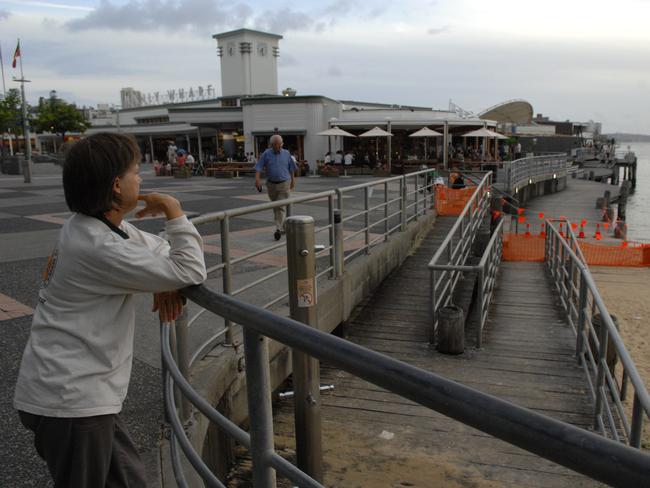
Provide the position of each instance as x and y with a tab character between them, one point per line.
338	244
403	203
582	314
260	414
637	422
366	219
481	299
183	358
386	226
332	253
416	181
227	273
433	311
306	370
599	385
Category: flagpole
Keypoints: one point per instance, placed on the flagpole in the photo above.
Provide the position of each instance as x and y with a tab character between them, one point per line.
27	165
2	65
21	62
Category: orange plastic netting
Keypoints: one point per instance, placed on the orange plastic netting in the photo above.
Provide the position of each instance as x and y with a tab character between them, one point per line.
450	201
518	247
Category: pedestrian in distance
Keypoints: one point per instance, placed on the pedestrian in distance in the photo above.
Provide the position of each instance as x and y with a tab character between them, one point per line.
76	366
280	170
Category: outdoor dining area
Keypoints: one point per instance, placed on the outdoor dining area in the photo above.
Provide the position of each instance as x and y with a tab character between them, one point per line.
400	150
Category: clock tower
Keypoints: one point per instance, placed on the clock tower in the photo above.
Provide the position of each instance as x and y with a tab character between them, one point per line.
249	62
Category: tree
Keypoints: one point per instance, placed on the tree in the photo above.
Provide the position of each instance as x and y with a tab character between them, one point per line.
58	116
10	114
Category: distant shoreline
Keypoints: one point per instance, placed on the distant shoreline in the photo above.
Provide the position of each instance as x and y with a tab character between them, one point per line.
623	137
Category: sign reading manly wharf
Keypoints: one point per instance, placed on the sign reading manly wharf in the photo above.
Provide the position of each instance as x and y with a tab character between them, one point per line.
134	98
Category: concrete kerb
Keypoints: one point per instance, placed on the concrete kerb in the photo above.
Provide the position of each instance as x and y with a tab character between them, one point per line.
220	376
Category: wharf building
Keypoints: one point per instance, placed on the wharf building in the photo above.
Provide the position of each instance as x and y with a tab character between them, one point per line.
251	109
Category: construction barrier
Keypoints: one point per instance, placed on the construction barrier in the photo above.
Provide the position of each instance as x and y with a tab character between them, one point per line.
604	255
519	247
450	201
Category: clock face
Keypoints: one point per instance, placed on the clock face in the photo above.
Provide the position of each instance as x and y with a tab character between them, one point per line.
231	49
261	49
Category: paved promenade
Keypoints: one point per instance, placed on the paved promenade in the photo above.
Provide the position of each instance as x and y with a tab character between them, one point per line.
30	218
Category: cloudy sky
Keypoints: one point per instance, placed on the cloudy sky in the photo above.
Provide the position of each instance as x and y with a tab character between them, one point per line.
578	59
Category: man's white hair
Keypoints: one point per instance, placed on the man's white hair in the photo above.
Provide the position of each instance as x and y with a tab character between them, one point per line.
275	137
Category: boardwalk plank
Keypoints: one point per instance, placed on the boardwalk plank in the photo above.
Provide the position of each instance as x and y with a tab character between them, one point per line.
526	358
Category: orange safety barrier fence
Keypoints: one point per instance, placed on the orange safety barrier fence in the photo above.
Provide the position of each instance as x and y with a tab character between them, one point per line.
452	201
519	247
604	255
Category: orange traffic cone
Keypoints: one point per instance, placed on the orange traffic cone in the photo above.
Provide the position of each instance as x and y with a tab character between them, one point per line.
581	235
561	229
543	232
598	235
527	234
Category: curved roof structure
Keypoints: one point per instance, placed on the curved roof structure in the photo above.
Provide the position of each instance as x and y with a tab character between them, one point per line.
512	111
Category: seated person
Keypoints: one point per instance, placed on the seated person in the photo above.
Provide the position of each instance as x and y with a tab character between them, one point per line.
458	182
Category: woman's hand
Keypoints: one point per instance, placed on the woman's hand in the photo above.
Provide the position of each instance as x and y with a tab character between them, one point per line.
169	304
157	203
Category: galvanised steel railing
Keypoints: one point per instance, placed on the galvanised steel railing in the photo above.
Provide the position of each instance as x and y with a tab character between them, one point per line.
447	264
487	270
585	452
514	175
598	343
365	222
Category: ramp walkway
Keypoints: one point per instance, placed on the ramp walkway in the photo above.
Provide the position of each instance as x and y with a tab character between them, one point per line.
399	413
372	437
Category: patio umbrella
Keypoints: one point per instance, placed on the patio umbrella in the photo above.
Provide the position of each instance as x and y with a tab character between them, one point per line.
336	132
376	132
496	135
484	132
426	133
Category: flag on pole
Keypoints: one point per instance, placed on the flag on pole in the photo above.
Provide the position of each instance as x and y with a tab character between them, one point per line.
16	55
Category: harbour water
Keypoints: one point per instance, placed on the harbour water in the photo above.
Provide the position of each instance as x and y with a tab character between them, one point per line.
638	211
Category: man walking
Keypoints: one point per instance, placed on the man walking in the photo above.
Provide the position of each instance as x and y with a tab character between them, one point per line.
280	171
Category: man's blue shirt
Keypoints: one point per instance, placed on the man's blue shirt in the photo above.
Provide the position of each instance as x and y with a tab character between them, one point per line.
278	166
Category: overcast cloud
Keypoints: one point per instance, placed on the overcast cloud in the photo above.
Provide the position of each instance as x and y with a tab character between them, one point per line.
411	53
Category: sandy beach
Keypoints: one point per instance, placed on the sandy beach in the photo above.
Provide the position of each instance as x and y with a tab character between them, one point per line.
625	292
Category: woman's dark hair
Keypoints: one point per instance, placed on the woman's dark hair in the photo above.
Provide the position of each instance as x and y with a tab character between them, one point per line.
90	168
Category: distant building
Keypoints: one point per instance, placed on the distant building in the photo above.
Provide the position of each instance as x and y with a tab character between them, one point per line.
251	109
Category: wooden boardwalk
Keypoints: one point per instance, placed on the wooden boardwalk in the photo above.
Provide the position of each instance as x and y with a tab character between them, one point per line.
372	438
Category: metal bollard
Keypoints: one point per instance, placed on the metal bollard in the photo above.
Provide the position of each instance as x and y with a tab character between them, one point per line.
306	370
338	244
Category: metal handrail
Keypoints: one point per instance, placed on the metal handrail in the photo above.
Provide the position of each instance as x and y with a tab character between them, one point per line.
487	270
456	248
520	172
580	450
399	208
526	170
581	300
